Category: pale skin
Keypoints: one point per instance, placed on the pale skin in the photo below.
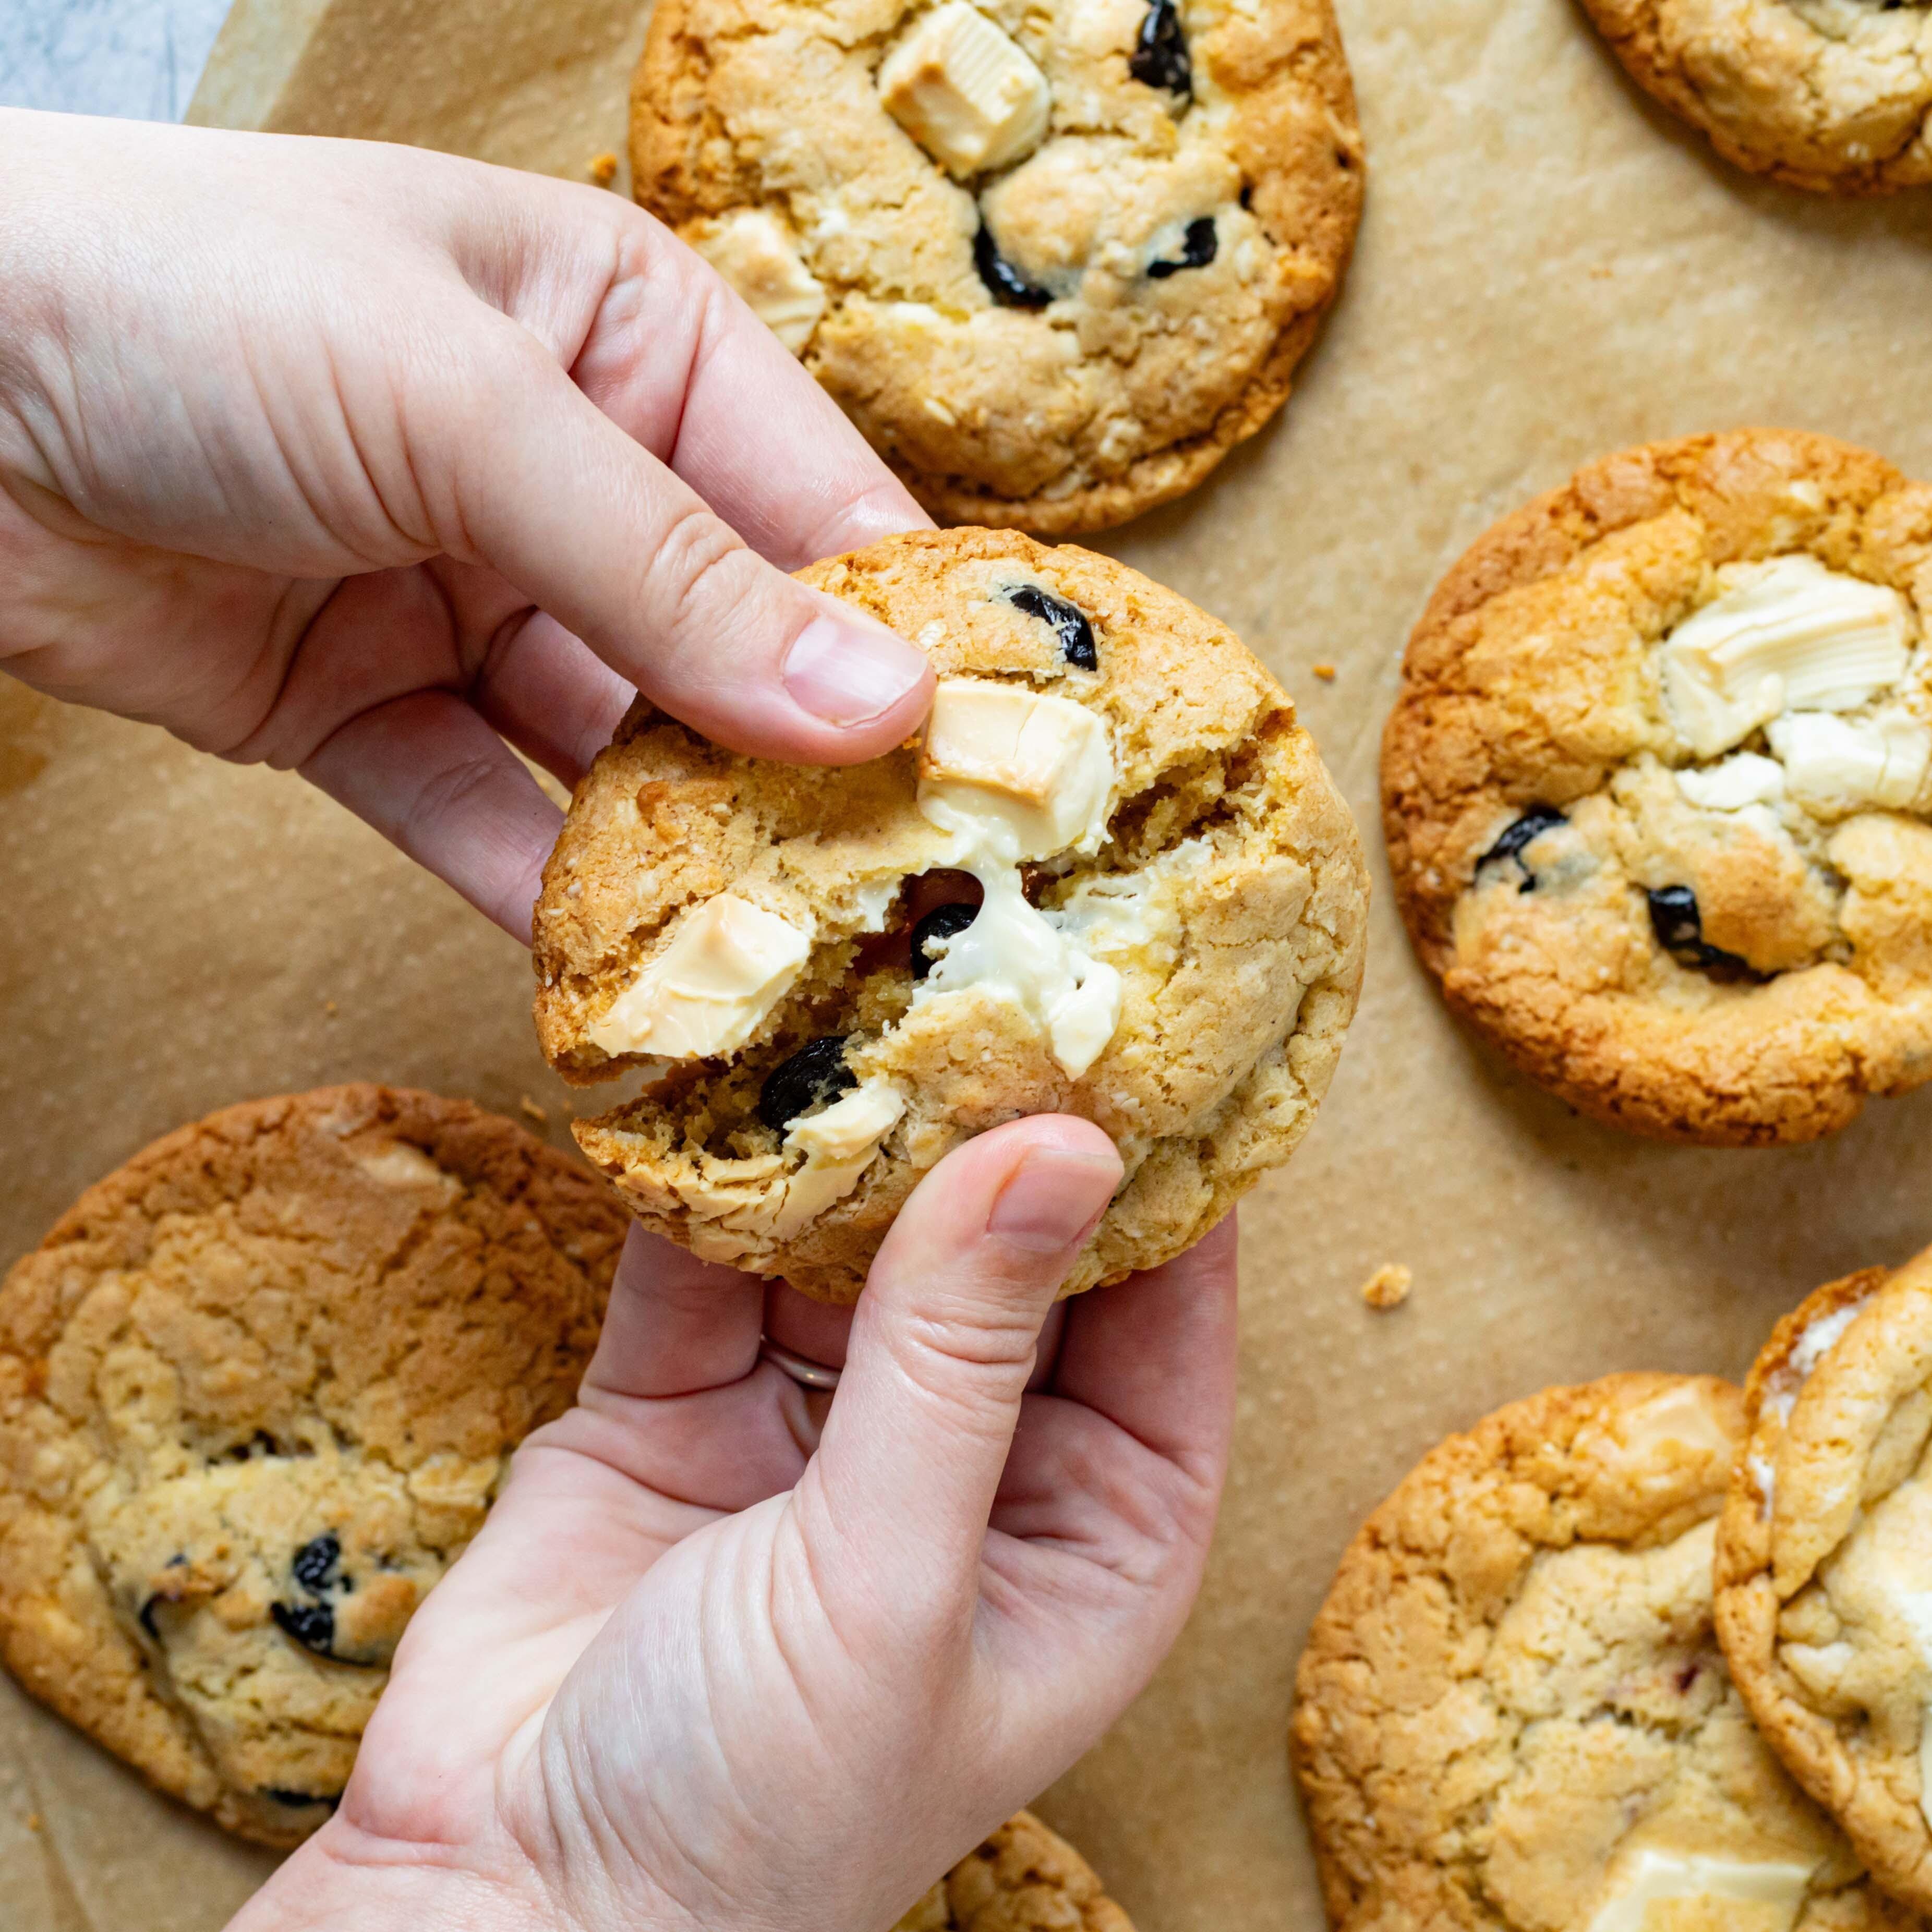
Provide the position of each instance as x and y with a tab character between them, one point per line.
370	464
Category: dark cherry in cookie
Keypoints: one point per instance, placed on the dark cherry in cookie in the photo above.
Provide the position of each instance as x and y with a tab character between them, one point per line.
1160	57
812	1077
1068	620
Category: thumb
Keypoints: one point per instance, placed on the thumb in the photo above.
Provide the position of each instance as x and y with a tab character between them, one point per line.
588	523
942	1343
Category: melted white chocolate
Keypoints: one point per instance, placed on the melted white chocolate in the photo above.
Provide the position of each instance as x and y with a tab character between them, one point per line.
1766	1894
838	1143
1012	775
729	962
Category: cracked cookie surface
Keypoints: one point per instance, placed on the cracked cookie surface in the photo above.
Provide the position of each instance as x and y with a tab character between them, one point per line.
1657	783
257	1389
1110	878
1833	95
1025	1878
1512	1712
1824	1561
1054	262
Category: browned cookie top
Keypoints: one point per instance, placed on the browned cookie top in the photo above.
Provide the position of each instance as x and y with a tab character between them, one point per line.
1512	1714
257	1389
1054	260
1824	1561
1834	95
1656	786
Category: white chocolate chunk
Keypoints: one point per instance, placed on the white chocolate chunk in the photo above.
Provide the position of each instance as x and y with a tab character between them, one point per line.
1083	1021
1835	766
1746	779
404	1164
968	95
838	1143
852	1127
728	964
758	258
1028	775
1680	1419
1776	1889
1785	635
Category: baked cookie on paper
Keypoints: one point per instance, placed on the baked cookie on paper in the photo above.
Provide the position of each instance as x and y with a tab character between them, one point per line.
1053	261
1657	783
1025	1878
1834	95
1109	877
1512	1713
257	1390
1825	1562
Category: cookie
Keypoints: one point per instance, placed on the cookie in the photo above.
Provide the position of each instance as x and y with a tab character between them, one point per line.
1023	1879
1833	95
1824	1562
1110	877
257	1389
1053	261
1512	1712
1657	785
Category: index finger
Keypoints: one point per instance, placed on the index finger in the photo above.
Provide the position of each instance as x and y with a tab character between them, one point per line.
1155	1355
679	362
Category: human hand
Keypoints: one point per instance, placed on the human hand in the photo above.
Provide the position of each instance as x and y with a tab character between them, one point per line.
718	1659
360	461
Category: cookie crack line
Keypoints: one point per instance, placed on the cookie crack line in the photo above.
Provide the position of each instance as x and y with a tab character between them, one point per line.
1112	816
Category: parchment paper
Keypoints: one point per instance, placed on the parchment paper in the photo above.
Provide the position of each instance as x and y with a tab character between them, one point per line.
1549	269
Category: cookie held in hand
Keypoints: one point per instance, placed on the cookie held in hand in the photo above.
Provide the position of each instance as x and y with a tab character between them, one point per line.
1512	1714
1824	1562
1110	878
1658	787
1055	262
257	1390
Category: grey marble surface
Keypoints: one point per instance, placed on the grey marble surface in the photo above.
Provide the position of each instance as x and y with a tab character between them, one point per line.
136	57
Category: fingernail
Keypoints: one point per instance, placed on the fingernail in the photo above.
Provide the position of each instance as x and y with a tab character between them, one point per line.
849	674
1051	1197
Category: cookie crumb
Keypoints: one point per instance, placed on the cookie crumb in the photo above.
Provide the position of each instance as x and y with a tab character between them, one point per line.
604	170
330	1008
33	1821
1325	672
532	1111
1388	1287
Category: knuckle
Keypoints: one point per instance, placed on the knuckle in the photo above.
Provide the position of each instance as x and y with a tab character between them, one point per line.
445	794
965	1363
699	569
